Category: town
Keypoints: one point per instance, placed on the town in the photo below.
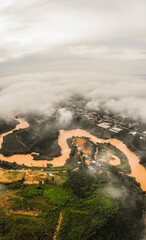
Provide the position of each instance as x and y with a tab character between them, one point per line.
113	122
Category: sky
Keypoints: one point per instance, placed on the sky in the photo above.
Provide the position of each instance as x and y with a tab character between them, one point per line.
98	45
103	35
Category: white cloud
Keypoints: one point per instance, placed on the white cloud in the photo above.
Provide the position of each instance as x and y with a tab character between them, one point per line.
40	92
93	46
36	27
65	116
28	28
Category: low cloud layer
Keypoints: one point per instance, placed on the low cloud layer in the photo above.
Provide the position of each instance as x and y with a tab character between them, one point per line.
41	92
65	116
51	50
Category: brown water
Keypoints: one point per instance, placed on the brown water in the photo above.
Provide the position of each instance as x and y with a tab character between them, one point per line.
114	159
137	170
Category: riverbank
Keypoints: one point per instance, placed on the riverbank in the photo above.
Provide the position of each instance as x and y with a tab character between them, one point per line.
137	170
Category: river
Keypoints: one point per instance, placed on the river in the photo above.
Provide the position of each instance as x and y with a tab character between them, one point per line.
137	170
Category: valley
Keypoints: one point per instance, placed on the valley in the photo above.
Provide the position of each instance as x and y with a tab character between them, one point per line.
75	178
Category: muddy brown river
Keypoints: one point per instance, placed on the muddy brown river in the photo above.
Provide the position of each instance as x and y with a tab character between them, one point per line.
137	170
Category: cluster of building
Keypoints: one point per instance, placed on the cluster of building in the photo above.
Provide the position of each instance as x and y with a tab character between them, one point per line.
118	123
113	122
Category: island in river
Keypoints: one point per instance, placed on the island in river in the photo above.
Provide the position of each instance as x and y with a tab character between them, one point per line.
137	170
88	192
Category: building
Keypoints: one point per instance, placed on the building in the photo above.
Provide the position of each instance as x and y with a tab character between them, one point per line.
104	125
86	156
133	133
51	175
116	129
93	161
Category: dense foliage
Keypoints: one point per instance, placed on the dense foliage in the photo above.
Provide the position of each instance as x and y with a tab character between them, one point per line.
89	211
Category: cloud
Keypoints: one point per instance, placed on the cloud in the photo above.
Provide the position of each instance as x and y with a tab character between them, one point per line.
31	28
62	48
65	116
118	193
42	92
90	29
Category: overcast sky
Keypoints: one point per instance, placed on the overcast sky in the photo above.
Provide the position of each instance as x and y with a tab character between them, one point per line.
101	35
55	48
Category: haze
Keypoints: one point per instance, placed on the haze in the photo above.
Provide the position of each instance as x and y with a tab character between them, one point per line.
51	50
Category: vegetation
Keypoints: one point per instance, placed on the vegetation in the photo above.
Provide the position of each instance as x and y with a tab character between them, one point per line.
95	214
6	126
124	165
143	159
102	204
14	166
72	161
40	225
58	195
40	138
89	211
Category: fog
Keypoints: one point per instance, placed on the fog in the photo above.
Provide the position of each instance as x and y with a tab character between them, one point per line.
53	50
41	92
65	116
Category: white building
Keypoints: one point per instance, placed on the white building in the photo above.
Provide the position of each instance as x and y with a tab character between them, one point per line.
116	129
133	133
104	125
93	161
51	175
